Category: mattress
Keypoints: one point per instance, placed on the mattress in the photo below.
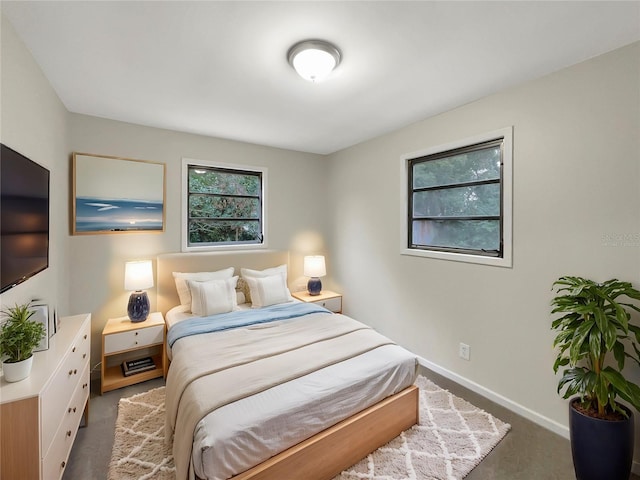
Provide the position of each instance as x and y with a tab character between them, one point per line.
244	433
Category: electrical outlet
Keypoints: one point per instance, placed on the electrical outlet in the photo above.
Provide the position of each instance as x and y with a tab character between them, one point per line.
464	351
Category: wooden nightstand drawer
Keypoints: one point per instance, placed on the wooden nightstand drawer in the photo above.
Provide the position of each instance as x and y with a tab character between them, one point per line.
333	304
327	299
142	337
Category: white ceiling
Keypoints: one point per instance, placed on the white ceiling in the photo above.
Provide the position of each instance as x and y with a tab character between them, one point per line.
220	68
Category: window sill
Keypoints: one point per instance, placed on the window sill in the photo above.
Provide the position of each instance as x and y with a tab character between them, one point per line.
225	248
460	257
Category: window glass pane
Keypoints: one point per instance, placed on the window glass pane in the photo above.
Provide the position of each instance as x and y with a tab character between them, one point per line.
223	207
203	180
472	166
477	200
212	231
464	234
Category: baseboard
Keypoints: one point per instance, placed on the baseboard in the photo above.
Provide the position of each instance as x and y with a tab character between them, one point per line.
499	399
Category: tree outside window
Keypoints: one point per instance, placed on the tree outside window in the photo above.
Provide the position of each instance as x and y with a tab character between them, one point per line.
456	200
224	206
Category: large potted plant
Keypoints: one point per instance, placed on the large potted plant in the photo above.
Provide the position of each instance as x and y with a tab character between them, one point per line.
595	337
18	337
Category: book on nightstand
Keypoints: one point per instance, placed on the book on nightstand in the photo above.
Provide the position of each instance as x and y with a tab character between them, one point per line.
131	367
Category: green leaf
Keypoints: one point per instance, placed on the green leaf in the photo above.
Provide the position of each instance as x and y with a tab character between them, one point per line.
581	334
610	336
619	354
595	343
601	320
634	395
616	379
560	362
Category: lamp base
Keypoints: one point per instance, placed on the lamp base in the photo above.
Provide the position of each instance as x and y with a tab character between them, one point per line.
138	307
314	286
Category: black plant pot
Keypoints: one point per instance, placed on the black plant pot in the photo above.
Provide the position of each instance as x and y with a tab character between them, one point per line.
601	449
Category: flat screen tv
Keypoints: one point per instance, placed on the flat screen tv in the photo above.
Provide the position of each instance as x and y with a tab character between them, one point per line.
24	218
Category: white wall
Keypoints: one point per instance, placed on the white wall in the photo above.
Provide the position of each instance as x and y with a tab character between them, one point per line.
34	123
97	261
576	193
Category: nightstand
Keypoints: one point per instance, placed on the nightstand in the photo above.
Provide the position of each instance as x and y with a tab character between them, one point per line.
124	340
328	299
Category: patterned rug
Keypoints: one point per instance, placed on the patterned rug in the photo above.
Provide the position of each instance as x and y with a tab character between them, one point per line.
452	437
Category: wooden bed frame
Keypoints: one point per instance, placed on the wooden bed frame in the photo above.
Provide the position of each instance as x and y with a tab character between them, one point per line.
326	454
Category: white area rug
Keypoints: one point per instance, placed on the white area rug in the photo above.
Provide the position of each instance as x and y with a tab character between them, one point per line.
452	437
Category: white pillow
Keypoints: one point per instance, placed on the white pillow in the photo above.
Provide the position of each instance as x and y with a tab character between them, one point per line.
269	290
213	297
246	272
273	290
181	281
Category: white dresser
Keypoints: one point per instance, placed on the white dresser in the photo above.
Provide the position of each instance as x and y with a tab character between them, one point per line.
40	416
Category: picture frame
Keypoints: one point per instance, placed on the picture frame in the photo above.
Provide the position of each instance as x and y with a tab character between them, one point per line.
117	195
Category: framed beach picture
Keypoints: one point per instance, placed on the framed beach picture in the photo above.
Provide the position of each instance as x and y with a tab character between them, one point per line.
117	195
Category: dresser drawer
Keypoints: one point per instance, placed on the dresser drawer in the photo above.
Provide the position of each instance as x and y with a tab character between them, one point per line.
333	304
133	339
55	459
57	395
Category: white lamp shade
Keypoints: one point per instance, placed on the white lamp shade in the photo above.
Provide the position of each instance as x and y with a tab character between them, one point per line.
138	275
314	266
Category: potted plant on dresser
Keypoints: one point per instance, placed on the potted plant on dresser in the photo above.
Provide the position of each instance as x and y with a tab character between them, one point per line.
594	337
18	337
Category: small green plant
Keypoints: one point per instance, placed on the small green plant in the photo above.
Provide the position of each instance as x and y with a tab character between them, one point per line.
595	336
18	334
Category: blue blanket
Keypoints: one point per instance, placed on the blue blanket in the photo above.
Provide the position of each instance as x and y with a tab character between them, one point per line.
241	318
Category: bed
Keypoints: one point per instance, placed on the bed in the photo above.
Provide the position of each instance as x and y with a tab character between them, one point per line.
292	391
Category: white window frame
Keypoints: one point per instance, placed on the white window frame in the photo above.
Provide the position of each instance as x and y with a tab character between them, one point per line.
186	162
507	201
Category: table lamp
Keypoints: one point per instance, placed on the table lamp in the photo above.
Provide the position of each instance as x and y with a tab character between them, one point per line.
314	267
138	276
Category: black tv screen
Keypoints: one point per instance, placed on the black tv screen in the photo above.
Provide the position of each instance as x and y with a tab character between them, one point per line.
24	218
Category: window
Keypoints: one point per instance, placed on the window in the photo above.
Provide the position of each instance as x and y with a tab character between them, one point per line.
223	205
459	201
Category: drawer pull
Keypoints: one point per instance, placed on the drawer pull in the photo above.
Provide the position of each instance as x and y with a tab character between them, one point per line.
73	350
84	355
72	410
85	336
70	372
137	333
84	385
63	464
75	371
68	433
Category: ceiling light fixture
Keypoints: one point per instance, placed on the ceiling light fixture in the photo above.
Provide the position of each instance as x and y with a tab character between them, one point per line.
314	60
